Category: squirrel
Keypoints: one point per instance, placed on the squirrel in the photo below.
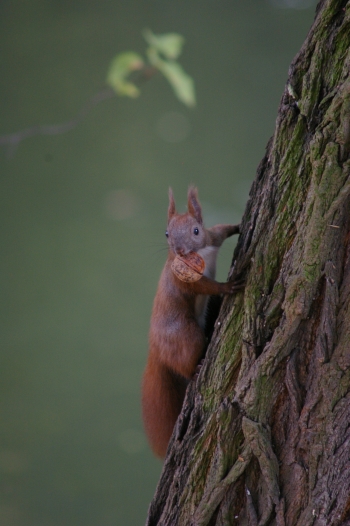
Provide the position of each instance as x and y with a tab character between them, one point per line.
177	340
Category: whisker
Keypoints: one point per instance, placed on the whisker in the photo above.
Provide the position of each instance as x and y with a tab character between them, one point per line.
162	249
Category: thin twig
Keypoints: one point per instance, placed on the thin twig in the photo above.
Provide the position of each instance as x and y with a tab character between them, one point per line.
13	140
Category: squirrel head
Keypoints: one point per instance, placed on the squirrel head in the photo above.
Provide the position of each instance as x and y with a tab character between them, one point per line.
186	232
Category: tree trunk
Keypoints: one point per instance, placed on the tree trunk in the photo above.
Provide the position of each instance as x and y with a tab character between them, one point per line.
264	434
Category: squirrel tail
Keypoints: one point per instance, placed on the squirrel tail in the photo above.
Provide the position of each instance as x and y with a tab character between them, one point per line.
163	393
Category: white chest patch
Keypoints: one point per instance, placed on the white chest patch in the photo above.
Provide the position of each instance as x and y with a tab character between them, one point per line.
209	254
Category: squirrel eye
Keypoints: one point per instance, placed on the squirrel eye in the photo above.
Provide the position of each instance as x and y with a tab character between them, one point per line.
166	233
196	231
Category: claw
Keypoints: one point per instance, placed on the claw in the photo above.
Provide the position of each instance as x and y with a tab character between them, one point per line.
198	368
238	284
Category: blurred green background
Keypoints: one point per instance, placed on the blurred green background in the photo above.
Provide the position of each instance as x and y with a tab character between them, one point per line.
83	216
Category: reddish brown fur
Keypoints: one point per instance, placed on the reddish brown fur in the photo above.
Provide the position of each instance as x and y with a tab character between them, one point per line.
176	341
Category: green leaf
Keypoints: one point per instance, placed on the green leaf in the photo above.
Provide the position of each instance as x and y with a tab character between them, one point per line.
121	66
169	44
181	83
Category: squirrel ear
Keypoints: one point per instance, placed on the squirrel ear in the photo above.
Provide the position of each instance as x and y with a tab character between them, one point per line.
171	209
193	204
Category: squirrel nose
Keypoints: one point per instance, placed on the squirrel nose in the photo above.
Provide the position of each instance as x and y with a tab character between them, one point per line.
180	251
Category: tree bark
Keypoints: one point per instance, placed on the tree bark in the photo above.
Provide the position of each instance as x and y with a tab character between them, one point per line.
264	434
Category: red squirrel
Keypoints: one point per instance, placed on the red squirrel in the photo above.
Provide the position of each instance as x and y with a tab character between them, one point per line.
176	339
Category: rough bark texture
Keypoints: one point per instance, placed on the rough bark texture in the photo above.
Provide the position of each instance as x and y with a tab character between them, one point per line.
264	435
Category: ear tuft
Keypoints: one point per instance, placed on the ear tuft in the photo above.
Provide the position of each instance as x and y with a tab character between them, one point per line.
171	209
193	204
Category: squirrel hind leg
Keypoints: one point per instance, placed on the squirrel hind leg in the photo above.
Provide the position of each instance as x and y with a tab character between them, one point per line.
163	393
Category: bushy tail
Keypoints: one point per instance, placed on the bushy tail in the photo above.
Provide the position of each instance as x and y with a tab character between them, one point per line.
162	395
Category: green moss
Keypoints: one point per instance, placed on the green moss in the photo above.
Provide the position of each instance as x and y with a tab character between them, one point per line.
264	386
340	49
293	153
311	84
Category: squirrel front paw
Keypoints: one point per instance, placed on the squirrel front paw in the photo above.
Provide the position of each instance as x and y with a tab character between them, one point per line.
231	287
198	368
